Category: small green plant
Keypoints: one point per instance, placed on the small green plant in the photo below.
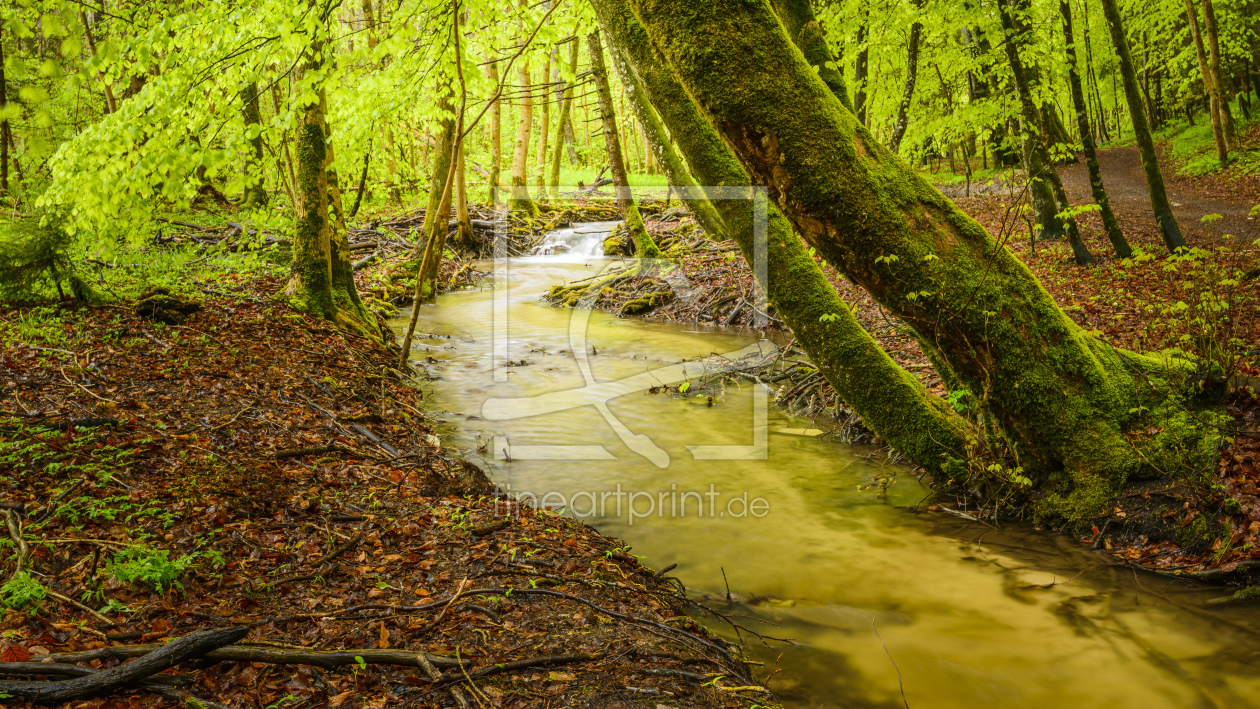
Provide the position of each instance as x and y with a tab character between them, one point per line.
150	566
34	254
22	593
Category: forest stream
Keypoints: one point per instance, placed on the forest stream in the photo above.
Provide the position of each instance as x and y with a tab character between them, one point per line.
971	615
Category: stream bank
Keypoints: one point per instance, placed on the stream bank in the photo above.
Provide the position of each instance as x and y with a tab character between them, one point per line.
251	466
804	538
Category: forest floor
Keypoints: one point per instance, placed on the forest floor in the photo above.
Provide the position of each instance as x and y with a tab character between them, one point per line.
1209	530
244	465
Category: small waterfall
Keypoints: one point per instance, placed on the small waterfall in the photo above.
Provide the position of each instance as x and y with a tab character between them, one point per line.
576	243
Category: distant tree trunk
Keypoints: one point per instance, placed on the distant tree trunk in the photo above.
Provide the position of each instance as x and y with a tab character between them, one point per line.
644	247
912	72
111	106
1214	53
862	374
255	187
496	135
464	237
1043	180
860	67
544	127
570	140
803	27
520	200
860	206
1110	225
363	173
1168	227
1209	83
563	125
4	123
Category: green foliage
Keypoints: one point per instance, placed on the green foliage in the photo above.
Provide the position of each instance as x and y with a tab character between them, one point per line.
22	593
153	567
34	258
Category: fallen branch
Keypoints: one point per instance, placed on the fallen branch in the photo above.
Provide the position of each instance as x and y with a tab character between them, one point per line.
323	659
160	658
546	661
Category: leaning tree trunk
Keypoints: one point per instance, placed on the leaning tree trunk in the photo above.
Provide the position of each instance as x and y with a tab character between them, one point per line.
644	247
660	143
1110	225
803	27
566	107
888	398
1209	83
1043	180
255	186
912	74
1146	144
1067	401
1214	62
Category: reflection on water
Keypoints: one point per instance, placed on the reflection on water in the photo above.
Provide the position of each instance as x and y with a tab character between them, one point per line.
973	616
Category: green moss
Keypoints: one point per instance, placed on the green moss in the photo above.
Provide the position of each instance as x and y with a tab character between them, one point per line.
647	303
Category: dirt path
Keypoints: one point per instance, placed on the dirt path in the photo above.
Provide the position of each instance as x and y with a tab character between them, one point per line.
1125	181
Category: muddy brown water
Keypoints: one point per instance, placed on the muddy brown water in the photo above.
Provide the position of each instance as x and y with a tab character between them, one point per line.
971	615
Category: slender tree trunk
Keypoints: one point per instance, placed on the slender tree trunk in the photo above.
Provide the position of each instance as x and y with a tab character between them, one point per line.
358	190
1209	83
111	106
891	400
1043	180
1214	62
860	68
1168	227
435	213
644	247
563	125
912	73
859	205
520	200
464	237
4	123
803	27
545	127
255	186
1110	225
496	136
570	141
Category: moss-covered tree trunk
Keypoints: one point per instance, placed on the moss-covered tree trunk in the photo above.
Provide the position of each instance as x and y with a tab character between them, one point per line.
912	75
566	107
1209	83
1110	225
644	247
662	145
892	401
4	123
803	27
321	280
1212	31
1168	227
1064	399
441	164
1045	191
